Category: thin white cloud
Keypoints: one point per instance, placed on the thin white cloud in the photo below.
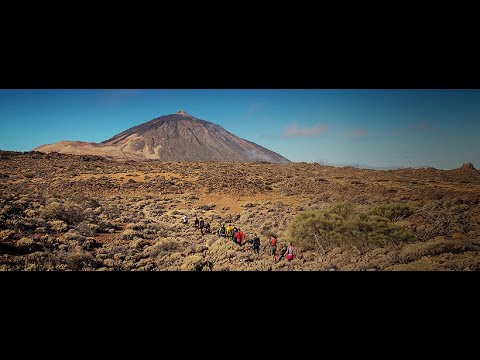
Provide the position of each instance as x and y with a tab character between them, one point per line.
357	133
293	130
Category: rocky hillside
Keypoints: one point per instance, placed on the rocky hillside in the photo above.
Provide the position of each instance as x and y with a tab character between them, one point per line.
175	137
65	212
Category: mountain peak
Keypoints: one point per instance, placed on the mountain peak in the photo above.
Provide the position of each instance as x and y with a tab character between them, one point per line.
173	137
183	113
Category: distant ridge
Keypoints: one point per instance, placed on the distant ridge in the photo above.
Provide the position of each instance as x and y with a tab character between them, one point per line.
467	167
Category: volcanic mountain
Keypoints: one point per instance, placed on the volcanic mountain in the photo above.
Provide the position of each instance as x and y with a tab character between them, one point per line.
175	137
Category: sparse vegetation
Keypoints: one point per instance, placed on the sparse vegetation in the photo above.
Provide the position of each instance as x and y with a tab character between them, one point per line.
81	213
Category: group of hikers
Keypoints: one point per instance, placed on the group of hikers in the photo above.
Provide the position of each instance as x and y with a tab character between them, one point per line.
238	237
198	224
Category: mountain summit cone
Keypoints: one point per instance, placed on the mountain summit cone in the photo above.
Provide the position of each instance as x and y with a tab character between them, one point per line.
174	137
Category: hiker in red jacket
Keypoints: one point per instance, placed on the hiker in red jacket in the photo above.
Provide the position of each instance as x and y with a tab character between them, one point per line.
240	236
273	247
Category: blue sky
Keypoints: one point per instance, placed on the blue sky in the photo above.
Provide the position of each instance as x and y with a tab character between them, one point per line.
367	128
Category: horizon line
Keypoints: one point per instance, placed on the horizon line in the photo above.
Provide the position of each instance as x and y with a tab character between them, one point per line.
336	165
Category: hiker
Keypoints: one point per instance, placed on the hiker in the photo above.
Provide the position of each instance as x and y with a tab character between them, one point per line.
273	247
222	231
207	228
234	234
201	225
184	219
240	236
256	243
229	230
195	224
290	251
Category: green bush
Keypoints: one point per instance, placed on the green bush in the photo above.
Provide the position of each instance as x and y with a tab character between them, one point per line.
343	209
342	226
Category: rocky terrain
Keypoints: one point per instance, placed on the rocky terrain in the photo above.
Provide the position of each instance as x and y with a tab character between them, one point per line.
175	137
67	212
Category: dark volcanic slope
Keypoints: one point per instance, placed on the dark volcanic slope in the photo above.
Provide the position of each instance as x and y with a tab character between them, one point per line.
175	137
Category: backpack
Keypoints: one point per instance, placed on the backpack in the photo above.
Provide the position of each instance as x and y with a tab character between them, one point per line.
273	241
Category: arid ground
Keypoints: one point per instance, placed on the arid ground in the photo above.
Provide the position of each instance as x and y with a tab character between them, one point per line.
67	212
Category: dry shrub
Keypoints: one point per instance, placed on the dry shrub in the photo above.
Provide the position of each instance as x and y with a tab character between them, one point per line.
163	246
89	243
112	212
25	242
206	207
23	224
85	202
192	263
80	260
231	218
107	227
73	235
6	234
138	244
129	234
73	214
86	229
436	246
72	211
58	226
136	226
67	212
156	209
30	213
52	211
51	241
